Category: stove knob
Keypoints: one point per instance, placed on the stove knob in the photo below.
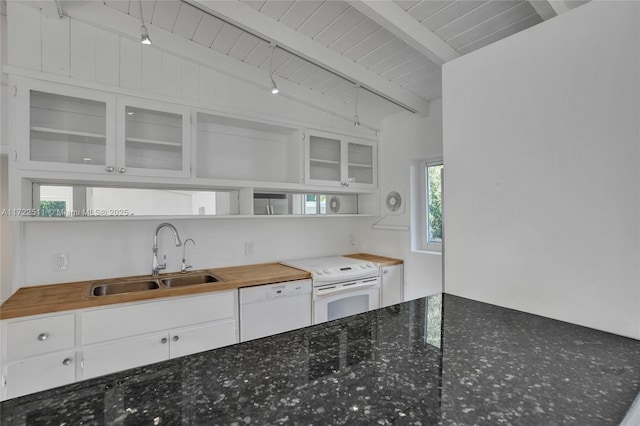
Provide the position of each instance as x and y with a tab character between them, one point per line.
326	271
319	272
363	266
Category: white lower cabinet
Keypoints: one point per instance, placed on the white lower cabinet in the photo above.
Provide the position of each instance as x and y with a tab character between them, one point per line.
202	338
122	337
46	351
392	283
38	353
99	360
39	373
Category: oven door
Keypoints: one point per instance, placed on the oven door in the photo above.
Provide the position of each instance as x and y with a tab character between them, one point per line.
335	301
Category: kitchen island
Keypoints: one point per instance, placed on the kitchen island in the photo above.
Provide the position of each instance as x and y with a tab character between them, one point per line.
438	360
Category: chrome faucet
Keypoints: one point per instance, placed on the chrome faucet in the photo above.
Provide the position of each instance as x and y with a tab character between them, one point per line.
184	255
156	267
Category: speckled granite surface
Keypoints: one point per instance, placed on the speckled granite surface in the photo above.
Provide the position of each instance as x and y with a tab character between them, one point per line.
495	366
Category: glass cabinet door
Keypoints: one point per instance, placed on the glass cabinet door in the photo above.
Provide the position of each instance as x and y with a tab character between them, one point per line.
153	139
360	163
66	129
324	158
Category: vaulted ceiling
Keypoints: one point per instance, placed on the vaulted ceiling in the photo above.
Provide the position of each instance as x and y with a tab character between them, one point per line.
393	49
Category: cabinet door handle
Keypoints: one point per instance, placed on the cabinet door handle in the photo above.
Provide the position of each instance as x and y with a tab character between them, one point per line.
43	336
176	338
110	169
66	361
163	340
122	170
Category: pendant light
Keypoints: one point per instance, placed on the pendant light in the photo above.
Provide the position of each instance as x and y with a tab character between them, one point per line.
356	119
274	88
144	33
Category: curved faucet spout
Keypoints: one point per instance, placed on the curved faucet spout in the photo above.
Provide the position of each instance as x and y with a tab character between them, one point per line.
155	265
173	229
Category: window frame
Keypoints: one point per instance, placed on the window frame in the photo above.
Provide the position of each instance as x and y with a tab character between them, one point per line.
426	243
419	213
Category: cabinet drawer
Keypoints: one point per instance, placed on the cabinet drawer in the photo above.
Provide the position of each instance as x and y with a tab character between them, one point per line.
40	336
37	374
203	338
115	323
131	353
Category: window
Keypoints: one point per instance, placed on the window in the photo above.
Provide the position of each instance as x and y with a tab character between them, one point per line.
433	185
427	214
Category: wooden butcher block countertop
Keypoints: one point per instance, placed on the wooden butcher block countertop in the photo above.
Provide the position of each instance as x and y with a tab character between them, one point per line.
69	296
379	260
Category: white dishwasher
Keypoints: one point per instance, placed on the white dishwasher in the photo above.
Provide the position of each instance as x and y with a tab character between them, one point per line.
274	308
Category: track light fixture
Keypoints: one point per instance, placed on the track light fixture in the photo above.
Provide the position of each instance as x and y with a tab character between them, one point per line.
274	88
144	33
356	119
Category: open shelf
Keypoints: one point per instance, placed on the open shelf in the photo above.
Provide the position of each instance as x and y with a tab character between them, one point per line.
154	142
324	162
68	132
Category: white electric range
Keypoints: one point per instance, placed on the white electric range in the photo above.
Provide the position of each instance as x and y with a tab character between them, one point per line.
342	286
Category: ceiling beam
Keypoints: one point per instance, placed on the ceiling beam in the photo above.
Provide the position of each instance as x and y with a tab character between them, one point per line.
404	26
259	24
51	8
544	9
559	6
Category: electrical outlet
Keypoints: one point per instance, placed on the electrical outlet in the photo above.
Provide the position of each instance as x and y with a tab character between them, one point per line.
249	248
352	239
60	262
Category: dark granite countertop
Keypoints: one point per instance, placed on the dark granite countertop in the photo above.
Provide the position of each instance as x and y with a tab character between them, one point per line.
399	365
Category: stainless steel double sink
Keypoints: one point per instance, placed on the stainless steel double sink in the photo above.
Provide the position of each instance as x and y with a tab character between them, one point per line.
120	286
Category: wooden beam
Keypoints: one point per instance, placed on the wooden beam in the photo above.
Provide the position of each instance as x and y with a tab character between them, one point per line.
404	26
544	9
559	6
259	24
51	8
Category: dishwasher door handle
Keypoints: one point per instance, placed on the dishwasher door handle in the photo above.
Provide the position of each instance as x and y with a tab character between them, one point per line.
342	289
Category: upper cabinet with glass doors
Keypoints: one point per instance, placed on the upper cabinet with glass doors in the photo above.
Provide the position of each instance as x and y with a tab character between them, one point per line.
336	160
153	138
68	129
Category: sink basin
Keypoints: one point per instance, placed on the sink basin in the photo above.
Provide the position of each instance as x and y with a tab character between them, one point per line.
190	279
123	287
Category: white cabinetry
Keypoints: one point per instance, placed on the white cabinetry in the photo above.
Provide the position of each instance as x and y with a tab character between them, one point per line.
154	138
337	160
250	151
39	353
64	128
122	337
392	285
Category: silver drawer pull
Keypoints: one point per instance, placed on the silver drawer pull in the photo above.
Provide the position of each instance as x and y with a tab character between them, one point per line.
163	340
66	361
176	338
43	336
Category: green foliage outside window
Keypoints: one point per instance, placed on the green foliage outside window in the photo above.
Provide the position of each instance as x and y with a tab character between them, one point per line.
434	203
53	208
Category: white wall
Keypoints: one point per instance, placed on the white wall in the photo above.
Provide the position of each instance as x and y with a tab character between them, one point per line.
101	58
541	145
104	249
405	138
6	235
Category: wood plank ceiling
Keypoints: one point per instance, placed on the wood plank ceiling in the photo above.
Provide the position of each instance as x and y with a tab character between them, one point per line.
464	25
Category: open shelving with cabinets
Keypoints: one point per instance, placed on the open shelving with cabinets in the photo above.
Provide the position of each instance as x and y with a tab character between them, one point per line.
236	149
71	135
